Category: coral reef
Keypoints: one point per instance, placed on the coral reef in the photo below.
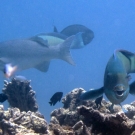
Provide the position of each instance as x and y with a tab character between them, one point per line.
14	122
20	94
76	117
83	117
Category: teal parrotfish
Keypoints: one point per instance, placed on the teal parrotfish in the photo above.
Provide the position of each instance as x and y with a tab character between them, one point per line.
116	79
83	36
21	54
87	34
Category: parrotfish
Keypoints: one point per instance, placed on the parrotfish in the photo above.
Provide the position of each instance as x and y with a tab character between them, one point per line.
87	34
55	98
83	36
21	54
116	79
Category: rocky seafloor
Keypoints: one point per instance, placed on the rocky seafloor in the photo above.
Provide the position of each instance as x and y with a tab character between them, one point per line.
76	117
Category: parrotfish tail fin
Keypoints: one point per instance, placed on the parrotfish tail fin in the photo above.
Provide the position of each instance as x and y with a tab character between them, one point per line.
64	51
132	88
131	57
78	41
50	103
92	94
98	101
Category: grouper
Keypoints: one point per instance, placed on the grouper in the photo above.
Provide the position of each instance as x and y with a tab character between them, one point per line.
83	36
21	54
116	79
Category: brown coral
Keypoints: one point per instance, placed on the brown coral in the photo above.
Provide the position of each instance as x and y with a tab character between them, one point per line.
13	121
20	94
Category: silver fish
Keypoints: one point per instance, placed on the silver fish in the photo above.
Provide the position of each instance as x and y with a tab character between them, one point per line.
83	36
52	39
23	54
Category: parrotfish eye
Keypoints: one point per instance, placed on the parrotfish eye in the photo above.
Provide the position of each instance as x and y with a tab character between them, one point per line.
128	77
109	75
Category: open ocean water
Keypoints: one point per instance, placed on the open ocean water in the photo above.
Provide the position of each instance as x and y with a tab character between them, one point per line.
113	24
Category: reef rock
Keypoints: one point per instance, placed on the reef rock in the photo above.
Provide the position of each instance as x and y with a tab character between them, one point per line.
76	117
109	124
14	122
20	94
85	118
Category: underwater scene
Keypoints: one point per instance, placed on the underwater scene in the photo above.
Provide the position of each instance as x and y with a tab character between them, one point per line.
67	67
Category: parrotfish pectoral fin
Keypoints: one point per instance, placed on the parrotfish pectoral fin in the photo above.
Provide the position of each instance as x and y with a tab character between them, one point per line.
132	88
65	50
43	67
9	70
98	101
131	57
92	94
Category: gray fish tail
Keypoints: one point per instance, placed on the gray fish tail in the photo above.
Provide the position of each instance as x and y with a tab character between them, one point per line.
65	50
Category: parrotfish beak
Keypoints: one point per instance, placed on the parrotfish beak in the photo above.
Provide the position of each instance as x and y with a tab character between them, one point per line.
119	90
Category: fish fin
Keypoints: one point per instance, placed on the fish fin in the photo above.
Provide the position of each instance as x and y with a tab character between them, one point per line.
115	54
64	51
9	70
59	100
50	103
98	101
92	94
132	88
4	60
43	67
54	103
55	29
40	40
111	107
78	41
131	58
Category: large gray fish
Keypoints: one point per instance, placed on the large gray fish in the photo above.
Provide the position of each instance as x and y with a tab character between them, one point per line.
23	54
116	78
87	34
83	36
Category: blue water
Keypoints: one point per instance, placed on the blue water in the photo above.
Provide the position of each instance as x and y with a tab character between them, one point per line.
112	21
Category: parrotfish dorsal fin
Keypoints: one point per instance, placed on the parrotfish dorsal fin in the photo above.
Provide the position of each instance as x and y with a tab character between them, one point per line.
115	54
55	29
40	41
